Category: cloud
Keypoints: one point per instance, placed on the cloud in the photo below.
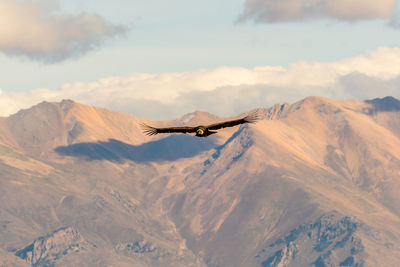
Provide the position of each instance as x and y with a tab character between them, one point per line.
297	10
226	91
38	30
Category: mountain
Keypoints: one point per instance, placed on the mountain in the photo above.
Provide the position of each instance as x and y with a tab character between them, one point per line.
314	183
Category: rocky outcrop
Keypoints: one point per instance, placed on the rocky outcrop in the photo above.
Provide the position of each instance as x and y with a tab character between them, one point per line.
329	241
46	250
275	112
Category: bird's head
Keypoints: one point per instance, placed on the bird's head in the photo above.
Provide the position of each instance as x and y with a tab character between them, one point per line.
200	131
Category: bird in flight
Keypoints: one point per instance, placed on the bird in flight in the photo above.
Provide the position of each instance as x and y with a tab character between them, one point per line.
201	131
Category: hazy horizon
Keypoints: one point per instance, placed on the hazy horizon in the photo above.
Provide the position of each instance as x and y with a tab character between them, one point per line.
223	57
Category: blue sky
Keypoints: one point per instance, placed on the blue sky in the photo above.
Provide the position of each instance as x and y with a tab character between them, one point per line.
162	38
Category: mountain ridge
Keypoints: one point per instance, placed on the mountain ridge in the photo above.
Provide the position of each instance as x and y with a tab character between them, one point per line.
179	200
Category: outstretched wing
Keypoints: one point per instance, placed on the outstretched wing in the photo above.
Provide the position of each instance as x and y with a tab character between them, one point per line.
149	130
251	118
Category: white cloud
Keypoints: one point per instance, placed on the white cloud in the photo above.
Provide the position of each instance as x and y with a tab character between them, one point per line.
226	91
295	10
38	30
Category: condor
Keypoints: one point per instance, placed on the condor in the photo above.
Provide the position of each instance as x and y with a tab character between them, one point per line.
201	131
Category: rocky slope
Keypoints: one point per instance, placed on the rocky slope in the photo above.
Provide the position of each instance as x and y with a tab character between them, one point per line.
315	183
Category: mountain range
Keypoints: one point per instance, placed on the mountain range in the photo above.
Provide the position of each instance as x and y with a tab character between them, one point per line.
313	183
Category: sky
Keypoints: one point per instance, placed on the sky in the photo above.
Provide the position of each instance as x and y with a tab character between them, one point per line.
163	59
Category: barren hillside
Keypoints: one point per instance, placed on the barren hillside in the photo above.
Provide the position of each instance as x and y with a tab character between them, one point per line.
314	183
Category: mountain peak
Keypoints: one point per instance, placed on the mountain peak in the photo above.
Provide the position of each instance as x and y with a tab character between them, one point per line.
316	100
387	103
47	125
197	117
